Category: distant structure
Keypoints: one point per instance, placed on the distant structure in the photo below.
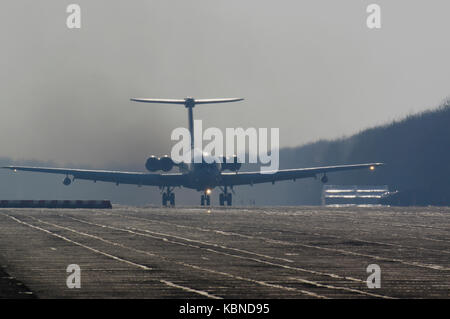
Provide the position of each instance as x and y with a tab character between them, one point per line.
354	194
55	204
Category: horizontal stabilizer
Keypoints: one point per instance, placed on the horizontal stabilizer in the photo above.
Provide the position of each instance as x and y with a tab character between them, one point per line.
210	101
166	101
187	101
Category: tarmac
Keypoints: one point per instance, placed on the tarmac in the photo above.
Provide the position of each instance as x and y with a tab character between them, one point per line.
269	252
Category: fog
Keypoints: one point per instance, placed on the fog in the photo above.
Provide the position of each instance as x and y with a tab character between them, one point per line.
311	68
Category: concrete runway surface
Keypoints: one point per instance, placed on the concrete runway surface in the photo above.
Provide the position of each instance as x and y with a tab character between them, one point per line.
288	252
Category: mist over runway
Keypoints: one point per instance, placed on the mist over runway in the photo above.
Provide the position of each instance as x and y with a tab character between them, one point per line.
284	252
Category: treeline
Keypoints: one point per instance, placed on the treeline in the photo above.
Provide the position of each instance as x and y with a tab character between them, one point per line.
416	151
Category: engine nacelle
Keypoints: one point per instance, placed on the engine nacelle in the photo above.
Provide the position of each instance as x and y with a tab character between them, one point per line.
153	164
166	163
67	181
231	164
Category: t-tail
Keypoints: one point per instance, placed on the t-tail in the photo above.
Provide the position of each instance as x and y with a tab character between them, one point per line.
189	103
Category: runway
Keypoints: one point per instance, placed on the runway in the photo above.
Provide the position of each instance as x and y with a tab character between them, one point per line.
287	252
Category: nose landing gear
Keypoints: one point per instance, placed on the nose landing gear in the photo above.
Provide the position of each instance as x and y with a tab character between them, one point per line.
206	198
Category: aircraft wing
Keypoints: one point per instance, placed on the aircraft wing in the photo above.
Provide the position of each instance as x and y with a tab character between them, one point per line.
250	178
135	178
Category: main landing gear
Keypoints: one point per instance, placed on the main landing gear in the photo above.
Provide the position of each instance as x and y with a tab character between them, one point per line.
168	197
225	197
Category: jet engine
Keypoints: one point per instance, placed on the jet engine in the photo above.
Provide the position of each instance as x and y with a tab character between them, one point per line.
231	164
153	164
67	181
166	163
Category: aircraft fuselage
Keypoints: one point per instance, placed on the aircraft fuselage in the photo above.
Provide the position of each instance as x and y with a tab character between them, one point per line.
202	176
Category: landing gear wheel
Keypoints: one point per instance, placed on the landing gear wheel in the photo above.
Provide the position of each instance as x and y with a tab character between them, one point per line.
205	200
222	199
164	199
172	199
229	199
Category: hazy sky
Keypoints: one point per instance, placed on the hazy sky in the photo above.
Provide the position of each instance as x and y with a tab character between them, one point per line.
311	68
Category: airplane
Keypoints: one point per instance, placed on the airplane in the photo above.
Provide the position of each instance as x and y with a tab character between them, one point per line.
203	175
